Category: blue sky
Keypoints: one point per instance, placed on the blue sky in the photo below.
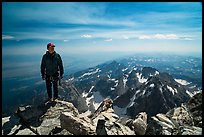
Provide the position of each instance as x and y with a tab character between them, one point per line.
91	27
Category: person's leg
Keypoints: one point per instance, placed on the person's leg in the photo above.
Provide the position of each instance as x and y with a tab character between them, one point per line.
49	88
55	86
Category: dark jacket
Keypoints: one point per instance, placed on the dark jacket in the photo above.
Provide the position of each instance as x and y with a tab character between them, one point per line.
51	64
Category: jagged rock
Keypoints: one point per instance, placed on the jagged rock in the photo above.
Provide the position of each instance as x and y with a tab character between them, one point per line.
60	131
62	118
118	129
194	106
164	118
25	131
190	130
103	122
153	127
100	128
51	119
40	120
108	122
140	123
177	121
75	125
181	116
164	122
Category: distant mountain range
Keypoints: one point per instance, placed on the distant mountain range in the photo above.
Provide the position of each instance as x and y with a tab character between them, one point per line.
130	82
132	90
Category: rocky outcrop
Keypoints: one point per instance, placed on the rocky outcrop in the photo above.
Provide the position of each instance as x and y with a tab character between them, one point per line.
108	122
76	125
62	118
194	106
40	120
103	122
178	121
138	125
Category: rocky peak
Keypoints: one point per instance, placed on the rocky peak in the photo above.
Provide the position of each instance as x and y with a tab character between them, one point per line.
102	122
40	120
62	118
149	71
179	120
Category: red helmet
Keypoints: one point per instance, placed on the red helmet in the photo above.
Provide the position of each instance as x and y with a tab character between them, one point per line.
50	44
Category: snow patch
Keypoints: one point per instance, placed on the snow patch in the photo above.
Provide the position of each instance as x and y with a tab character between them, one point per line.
132	99
124	69
151	85
70	79
96	105
156	73
137	91
172	90
124	81
112	88
193	86
86	94
90	73
88	100
182	82
161	90
116	83
194	92
140	78
134	68
143	92
116	97
112	79
189	93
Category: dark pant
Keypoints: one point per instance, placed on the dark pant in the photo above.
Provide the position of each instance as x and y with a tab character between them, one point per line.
49	84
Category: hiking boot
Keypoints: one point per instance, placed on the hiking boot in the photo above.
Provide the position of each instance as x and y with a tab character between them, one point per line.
51	99
55	98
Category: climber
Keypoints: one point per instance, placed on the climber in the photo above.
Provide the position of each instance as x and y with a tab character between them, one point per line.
50	65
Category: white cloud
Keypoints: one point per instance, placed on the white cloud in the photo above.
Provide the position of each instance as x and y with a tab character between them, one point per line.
125	37
65	40
108	40
7	37
86	36
144	37
167	36
159	36
172	36
187	39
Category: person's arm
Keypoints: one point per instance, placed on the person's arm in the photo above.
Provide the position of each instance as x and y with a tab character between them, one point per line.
61	67
43	68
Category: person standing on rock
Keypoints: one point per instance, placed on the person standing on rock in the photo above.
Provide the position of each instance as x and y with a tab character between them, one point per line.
51	65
